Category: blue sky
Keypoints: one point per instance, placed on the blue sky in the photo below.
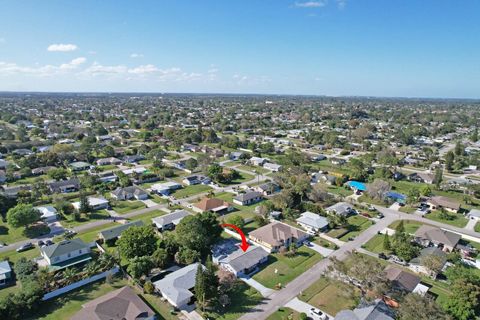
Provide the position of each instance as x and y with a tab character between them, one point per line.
427	48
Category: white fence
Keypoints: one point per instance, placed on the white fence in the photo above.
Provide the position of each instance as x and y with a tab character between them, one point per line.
79	284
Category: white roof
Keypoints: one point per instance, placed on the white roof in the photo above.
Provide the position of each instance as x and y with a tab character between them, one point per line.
92	201
136	169
47	211
165	186
312	219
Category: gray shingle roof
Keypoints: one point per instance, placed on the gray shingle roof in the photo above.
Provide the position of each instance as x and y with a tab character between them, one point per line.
167	219
115	232
64	247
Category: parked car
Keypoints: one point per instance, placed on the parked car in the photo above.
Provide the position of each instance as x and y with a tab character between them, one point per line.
397	260
25	247
383	256
48	242
371	208
40	243
308	244
380	215
318	314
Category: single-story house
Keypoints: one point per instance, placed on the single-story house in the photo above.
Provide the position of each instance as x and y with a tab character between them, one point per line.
66	253
248	198
128	193
236	155
177	286
403	281
42	170
438	202
421	177
212	204
268	188
341	209
313	222
474	214
272	166
229	256
49	213
276	234
396	197
136	170
319	177
165	188
428	236
133	159
95	203
196	179
169	221
338	161
79	166
5	273
107	177
377	310
417	264
108	161
256	161
114	233
120	304
65	186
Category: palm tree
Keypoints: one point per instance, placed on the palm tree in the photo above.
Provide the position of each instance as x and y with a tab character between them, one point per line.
91	268
45	277
69	275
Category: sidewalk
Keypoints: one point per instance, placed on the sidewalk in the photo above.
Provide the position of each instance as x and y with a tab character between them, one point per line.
301	306
325	252
334	240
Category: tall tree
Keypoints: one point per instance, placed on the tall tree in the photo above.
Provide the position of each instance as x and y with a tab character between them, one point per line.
22	215
137	242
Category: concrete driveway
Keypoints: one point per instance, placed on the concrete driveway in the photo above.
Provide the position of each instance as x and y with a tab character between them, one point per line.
264	291
300	306
325	252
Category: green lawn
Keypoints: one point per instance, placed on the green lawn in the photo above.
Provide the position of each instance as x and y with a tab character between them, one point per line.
85	218
341	191
331	296
287	268
244	177
30	180
91	234
10	234
162	308
69	304
12	289
356	225
147	217
242	298
411	226
375	244
285	313
457	220
122	207
13	255
477	227
191	190
157	199
106	167
253	169
324	243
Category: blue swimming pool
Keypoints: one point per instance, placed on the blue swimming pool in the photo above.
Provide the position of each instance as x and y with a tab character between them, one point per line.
360	186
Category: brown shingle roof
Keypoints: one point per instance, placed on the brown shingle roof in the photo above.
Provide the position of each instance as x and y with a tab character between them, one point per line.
445	202
276	233
116	305
207	204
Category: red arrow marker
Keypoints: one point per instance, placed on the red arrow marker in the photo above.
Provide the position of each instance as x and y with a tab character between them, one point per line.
244	246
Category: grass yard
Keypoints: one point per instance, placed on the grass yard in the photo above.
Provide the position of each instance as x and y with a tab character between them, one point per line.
288	268
12	289
325	243
14	256
157	199
67	305
191	190
147	217
410	226
122	207
91	234
85	218
30	180
375	244
162	308
244	177
331	296
341	191
242	298
285	314
457	219
10	234
356	225
477	227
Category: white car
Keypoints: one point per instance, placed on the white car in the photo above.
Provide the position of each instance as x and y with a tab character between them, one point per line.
318	314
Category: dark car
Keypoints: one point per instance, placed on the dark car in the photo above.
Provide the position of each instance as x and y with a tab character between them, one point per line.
48	242
383	256
40	243
25	247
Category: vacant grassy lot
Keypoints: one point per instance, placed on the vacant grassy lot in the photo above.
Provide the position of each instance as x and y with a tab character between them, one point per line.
356	225
122	207
9	234
288	268
410	226
244	177
85	218
375	244
147	217
191	190
285	314
331	296
456	220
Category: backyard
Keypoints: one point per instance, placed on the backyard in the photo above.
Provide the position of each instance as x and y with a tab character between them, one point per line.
287	268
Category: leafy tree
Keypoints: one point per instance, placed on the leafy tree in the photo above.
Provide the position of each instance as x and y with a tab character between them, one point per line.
464	302
414	306
425	191
405	250
413	196
139	266
438	177
236	220
137	242
187	256
386	242
200	287
449	159
22	215
25	269
459	149
191	163
84	204
433	263
211	280
160	258
57	173
148	287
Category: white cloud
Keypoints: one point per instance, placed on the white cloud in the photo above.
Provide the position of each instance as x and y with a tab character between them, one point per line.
213	70
62	47
311	4
341	4
144	69
136	55
73	64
